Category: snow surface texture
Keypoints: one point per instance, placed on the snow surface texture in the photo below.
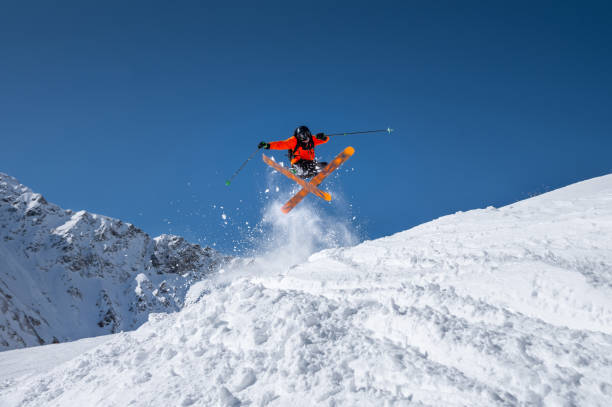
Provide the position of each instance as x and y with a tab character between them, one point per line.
508	306
66	275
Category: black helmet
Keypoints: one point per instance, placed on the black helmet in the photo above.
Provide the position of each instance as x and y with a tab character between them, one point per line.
302	133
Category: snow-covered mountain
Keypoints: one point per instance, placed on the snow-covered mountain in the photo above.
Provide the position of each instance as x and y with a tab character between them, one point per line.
66	275
491	307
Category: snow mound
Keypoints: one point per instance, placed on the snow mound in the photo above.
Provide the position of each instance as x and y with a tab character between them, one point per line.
508	306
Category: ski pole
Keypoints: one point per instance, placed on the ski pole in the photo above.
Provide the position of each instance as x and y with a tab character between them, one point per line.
387	130
229	181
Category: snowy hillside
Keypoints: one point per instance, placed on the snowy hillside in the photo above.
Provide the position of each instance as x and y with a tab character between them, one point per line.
66	275
508	306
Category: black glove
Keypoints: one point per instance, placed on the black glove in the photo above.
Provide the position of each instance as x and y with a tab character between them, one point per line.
321	136
263	144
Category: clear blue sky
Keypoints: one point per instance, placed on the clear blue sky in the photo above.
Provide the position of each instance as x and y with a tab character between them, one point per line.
141	110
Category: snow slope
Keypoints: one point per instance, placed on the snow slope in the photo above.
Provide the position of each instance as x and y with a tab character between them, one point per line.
66	275
18	363
508	306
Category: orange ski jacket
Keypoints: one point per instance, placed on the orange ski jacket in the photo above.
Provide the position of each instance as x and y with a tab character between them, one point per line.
299	153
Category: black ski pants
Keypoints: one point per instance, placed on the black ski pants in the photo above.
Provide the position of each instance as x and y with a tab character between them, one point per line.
308	168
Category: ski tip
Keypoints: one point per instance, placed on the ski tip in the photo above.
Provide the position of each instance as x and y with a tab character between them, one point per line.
389	130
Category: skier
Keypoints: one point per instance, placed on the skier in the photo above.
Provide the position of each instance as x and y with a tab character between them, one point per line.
301	151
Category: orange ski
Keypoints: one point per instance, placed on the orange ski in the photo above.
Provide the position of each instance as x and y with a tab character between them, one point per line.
331	167
306	185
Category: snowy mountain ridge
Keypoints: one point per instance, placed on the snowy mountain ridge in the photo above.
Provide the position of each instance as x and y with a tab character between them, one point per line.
66	275
492	307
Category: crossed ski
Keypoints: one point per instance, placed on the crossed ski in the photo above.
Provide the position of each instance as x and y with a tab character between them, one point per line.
310	187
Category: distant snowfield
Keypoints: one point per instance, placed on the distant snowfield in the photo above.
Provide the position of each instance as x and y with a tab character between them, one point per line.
508	306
